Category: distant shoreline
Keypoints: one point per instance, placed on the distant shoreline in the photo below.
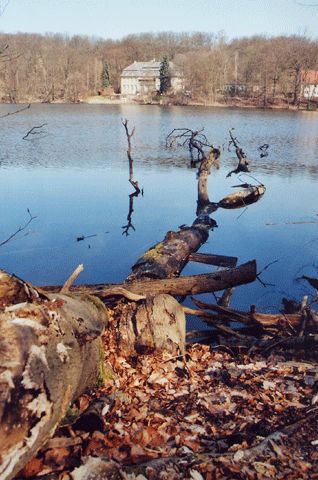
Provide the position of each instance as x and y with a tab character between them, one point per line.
98	100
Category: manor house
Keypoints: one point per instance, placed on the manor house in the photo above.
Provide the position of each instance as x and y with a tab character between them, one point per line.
143	78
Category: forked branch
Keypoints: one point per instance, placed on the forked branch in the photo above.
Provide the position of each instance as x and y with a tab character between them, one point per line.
20	229
194	140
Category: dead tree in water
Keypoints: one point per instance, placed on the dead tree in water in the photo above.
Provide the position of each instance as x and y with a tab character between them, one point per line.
241	155
133	182
204	205
194	140
126	228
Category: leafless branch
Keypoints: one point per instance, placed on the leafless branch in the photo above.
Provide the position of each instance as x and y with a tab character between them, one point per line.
3	6
20	229
265	284
16	111
133	182
194	140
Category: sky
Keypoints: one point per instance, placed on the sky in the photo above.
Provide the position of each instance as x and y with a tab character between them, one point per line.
118	18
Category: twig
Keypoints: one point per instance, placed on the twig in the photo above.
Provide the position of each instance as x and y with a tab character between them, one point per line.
265	284
20	229
69	282
16	111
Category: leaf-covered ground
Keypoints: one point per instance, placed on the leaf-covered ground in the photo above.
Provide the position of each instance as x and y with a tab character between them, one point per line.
215	416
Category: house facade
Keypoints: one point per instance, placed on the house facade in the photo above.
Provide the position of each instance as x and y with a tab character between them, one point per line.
143	78
309	84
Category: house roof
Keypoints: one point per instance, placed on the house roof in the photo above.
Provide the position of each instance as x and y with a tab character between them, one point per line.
309	77
147	69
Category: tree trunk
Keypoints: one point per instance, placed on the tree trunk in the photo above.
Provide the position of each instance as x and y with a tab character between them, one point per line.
50	351
167	258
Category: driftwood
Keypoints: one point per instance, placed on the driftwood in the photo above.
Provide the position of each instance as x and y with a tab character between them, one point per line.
50	351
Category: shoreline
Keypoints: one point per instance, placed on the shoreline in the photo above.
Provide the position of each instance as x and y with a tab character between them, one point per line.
96	100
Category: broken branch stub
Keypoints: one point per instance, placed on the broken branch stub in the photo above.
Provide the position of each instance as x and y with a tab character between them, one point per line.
49	353
241	155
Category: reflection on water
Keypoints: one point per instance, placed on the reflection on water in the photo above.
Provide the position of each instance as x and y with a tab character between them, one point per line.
74	180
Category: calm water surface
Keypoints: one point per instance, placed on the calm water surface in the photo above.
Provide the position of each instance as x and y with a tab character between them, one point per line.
74	179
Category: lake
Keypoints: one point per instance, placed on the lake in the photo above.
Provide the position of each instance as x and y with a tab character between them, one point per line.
74	178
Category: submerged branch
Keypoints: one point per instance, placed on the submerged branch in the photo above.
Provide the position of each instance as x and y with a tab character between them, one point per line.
16	111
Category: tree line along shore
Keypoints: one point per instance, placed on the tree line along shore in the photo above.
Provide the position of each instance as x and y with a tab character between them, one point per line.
256	71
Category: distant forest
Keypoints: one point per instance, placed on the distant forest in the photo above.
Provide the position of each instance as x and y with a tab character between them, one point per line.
56	67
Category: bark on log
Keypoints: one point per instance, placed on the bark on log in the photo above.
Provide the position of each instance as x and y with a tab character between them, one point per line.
167	258
204	205
180	286
242	198
49	353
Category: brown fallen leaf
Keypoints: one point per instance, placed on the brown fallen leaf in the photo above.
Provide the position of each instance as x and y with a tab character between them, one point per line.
32	468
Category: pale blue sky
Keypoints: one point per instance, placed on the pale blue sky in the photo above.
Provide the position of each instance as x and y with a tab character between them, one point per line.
118	18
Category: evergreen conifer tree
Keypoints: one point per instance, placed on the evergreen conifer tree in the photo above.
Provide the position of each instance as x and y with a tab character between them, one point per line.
164	75
105	75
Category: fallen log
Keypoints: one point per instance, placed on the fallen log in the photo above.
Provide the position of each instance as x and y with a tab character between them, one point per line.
50	352
167	258
180	286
